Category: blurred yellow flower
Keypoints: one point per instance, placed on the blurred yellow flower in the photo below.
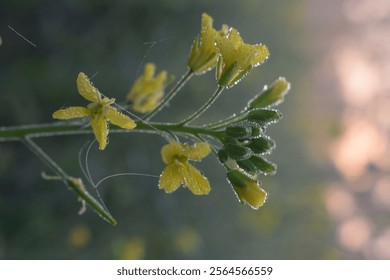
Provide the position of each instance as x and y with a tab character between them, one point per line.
187	241
237	58
133	249
247	189
179	171
204	55
100	111
79	237
147	91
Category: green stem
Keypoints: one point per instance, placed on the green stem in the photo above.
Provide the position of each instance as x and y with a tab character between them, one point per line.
204	107
225	122
184	79
73	183
17	133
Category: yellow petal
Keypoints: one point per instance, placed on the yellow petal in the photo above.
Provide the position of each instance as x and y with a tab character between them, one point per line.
203	55
100	129
171	151
251	194
150	69
171	177
86	89
71	113
196	182
119	119
197	151
147	102
234	50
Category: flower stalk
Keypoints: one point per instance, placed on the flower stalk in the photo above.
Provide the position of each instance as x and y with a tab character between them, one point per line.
238	142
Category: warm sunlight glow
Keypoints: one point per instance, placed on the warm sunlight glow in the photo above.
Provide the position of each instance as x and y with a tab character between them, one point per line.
339	203
358	76
354	234
361	144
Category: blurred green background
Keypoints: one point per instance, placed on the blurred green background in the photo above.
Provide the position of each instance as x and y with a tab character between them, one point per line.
315	207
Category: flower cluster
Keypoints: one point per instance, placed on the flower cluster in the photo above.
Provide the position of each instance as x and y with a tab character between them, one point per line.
226	50
239	141
245	145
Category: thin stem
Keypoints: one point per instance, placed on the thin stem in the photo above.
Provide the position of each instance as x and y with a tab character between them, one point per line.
225	122
17	133
184	79
73	183
204	107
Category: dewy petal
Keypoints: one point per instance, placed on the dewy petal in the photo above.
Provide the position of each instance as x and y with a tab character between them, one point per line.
197	151
119	119
203	55
251	194
71	113
233	49
100	129
195	181
86	89
147	91
171	177
171	151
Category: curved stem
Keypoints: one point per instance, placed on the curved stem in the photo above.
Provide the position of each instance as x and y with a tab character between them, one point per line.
184	79
73	183
204	107
225	122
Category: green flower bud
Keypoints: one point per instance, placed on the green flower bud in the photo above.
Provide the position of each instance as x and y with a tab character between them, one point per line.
257	130
261	145
223	156
271	96
238	152
238	131
263	165
247	166
264	116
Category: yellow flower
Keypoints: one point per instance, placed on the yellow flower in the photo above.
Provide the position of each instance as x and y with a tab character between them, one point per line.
147	91
204	55
247	189
179	171
237	58
100	111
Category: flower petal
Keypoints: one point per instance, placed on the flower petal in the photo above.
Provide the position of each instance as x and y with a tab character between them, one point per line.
119	119
171	151
196	182
197	151
86	89
71	113
171	177
251	194
100	129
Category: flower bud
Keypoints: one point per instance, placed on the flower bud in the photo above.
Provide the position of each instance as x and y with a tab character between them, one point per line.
261	145
264	116
238	131
238	152
271	96
247	166
247	189
223	156
263	165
